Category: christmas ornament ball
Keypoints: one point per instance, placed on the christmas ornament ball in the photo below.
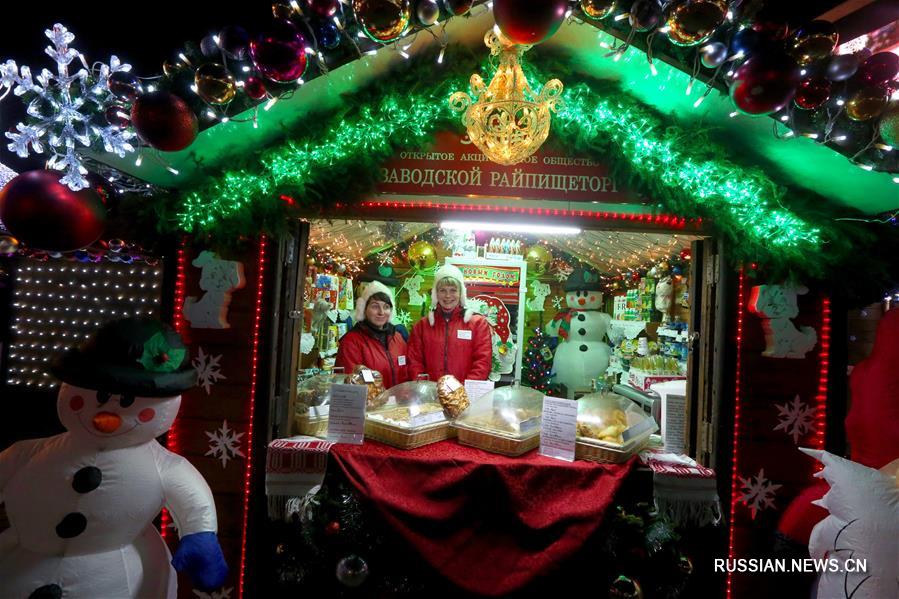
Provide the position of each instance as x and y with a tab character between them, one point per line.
457	8
866	104
332	528
694	21
889	126
427	12
422	255
279	53
352	571
327	34
254	88
45	214
323	9
764	84
538	258
598	9
812	93
529	21
9	245
215	84
124	85
383	20
164	121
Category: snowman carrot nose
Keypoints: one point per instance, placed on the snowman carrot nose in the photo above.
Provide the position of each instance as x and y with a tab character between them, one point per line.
107	422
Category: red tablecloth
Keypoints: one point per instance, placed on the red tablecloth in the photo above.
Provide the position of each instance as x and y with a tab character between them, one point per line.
489	523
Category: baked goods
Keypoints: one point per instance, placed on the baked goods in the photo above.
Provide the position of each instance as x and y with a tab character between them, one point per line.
375	396
505	419
452	395
403	416
608	427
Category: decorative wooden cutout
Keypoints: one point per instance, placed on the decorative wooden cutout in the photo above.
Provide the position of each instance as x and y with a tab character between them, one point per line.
776	305
219	279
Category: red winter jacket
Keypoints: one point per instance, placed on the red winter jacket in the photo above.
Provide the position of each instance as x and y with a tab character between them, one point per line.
461	347
359	346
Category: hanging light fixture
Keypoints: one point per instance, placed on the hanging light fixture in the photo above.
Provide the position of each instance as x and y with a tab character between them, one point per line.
507	120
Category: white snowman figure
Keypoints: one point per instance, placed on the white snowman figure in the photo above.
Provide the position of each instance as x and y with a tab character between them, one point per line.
582	354
81	504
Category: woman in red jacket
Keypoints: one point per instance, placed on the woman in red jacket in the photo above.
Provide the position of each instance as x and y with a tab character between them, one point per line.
373	341
451	339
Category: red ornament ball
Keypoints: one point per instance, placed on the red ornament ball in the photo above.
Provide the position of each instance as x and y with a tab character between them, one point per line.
323	9
764	84
332	528
457	8
879	68
529	21
164	121
812	93
280	52
254	88
45	214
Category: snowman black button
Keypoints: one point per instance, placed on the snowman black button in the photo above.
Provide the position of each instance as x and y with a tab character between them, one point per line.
582	332
583	348
87	479
71	526
48	591
581	317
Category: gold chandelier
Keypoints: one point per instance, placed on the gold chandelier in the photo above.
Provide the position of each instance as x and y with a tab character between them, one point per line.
506	119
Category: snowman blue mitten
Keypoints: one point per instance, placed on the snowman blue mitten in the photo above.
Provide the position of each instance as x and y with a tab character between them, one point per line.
200	557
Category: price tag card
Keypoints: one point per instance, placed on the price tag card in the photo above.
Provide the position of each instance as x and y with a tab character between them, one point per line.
346	421
559	432
425	419
476	389
367	376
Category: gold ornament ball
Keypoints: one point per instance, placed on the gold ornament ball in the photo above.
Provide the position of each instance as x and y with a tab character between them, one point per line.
383	20
866	104
889	125
215	84
9	245
598	9
422	255
538	258
694	21
816	41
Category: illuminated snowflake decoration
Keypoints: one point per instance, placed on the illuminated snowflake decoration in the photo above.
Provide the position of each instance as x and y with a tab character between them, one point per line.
224	444
402	317
65	109
557	303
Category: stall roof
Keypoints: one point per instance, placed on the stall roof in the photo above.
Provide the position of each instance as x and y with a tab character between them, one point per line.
607	251
797	162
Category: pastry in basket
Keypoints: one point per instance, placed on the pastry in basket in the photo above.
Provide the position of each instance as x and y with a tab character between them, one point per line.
502	420
606	429
402	415
452	395
373	398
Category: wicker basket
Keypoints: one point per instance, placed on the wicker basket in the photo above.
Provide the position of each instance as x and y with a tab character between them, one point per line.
312	426
407	439
510	446
597	451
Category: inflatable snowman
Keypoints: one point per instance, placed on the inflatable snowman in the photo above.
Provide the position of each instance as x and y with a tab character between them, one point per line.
582	355
81	504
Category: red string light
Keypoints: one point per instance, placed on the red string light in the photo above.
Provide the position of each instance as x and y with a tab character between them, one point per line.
248	471
734	495
821	398
171	438
664	220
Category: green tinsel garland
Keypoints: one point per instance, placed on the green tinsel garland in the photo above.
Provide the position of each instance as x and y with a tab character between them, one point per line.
337	158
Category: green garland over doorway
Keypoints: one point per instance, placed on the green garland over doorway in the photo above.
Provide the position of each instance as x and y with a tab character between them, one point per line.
337	157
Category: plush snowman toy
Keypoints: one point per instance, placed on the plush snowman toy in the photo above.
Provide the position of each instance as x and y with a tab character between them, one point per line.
582	353
81	504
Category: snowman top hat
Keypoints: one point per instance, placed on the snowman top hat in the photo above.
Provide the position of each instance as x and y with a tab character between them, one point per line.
583	279
137	356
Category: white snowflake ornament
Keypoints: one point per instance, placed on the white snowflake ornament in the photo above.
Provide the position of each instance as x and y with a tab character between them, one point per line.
758	495
224	593
65	109
208	370
224	444
795	418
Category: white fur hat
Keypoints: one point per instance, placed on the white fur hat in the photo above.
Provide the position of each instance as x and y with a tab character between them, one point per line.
449	271
370	289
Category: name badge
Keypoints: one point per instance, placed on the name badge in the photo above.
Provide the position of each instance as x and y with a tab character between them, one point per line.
461	334
401	360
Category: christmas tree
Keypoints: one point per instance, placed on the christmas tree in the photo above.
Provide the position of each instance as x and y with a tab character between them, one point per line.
538	362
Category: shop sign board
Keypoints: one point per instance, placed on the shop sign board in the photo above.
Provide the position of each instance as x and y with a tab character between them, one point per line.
453	166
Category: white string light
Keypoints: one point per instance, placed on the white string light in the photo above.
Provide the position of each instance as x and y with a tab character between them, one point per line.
46	323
